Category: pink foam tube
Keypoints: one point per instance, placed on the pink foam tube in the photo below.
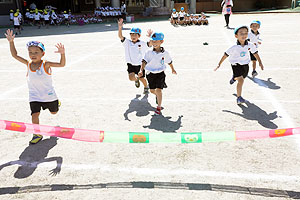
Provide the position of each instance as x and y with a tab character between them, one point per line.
68	133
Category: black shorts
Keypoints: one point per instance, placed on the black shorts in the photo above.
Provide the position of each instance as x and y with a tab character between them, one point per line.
175	18
36	106
17	26
47	21
181	18
134	69
240	70
252	57
156	80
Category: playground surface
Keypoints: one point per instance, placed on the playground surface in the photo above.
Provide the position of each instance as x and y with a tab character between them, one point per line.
96	94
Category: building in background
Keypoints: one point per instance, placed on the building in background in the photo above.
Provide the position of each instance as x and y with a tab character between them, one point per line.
154	7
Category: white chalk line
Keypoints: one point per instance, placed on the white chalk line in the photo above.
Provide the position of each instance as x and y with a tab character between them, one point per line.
124	69
177	100
154	172
6	94
281	111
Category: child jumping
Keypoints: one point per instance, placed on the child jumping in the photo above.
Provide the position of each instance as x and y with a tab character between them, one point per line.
154	62
134	53
39	79
254	37
239	58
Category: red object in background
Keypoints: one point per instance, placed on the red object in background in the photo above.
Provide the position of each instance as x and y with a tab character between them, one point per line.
25	3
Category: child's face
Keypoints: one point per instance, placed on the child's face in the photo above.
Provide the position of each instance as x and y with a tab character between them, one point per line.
254	27
35	53
242	34
134	37
157	43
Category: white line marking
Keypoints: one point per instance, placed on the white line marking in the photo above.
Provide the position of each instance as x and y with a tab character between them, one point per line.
142	100
5	94
296	68
281	111
162	172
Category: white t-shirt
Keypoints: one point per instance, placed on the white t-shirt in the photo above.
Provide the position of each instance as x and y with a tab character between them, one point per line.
181	14
37	16
66	16
239	54
53	15
46	17
27	14
156	61
11	16
16	21
175	15
134	52
254	38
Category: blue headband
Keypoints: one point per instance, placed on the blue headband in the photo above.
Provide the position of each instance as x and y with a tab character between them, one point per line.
36	44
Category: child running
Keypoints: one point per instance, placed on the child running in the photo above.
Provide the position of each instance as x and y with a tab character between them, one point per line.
239	58
134	53
254	37
39	79
154	62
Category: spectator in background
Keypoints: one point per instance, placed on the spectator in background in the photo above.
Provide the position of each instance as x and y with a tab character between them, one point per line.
227	10
123	10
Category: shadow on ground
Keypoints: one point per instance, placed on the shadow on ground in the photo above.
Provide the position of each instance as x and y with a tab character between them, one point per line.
255	113
141	106
164	124
267	84
34	155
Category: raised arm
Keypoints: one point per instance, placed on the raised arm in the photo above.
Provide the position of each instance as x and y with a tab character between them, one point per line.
10	37
120	24
149	33
221	61
60	49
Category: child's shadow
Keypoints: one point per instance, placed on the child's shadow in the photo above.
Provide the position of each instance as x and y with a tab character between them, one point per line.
34	155
253	112
267	84
164	124
141	106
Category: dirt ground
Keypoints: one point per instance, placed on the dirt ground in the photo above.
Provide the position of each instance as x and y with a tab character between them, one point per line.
96	94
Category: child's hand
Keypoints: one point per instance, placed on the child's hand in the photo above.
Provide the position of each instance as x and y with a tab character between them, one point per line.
149	32
120	22
60	48
10	35
261	66
174	72
217	68
259	42
140	74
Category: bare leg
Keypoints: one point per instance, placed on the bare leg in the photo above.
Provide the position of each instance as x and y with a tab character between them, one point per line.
35	118
239	86
159	96
254	65
143	80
